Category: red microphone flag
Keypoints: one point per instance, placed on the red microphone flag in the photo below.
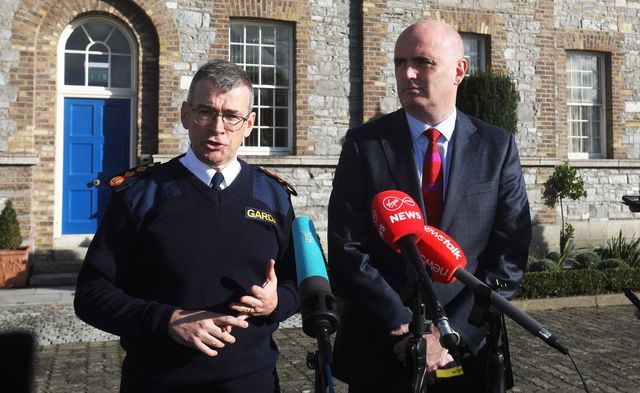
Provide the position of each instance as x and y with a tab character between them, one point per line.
441	254
395	215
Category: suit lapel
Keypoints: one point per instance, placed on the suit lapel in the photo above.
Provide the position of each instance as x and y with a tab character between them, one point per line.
398	149
465	143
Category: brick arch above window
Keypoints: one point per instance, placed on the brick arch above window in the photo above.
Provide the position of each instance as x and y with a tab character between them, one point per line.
36	34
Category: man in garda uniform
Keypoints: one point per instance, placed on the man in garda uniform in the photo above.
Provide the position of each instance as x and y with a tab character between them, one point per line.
192	265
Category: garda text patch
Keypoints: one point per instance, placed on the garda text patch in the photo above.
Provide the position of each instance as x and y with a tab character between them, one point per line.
259	215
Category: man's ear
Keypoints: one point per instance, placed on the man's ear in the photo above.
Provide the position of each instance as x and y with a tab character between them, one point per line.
250	121
461	70
185	115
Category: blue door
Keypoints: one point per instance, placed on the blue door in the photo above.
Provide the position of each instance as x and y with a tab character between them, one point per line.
96	147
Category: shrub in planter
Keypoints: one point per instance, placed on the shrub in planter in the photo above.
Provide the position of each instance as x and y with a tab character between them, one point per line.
542	265
13	257
621	279
587	260
611	263
10	238
554	256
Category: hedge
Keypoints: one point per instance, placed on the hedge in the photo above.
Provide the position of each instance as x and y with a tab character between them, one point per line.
561	283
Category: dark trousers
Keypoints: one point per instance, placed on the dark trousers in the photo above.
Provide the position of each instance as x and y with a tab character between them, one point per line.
263	381
472	381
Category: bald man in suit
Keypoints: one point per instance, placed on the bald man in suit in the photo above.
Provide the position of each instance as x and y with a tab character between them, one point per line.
484	209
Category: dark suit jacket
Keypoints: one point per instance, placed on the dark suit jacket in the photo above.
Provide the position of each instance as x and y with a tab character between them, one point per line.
486	211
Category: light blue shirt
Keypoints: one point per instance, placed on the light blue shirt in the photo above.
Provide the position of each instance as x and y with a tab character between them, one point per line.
420	143
205	173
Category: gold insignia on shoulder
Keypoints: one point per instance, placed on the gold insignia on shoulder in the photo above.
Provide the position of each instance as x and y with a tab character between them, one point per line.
280	180
116	181
127	178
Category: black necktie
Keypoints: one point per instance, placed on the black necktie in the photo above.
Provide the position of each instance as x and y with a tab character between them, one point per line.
218	178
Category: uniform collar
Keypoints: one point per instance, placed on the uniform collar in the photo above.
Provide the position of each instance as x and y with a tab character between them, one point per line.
205	173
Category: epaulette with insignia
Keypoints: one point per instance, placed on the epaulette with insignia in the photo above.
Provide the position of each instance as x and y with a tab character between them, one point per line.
280	180
124	180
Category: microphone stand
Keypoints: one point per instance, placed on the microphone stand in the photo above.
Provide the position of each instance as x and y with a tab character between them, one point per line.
416	350
320	361
320	323
498	366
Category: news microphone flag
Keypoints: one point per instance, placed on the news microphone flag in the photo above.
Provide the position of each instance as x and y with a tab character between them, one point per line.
317	304
445	259
306	244
395	215
441	247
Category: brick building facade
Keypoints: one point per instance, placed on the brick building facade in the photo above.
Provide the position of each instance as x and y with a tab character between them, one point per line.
340	73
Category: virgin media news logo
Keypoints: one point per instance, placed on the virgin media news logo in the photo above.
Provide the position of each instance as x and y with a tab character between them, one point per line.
393	203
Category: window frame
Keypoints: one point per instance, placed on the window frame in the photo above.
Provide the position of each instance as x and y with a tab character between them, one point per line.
482	45
257	86
86	88
602	110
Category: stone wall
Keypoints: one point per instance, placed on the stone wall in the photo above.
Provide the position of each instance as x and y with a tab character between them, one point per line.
344	75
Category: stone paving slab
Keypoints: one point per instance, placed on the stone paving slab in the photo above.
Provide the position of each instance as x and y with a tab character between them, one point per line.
604	341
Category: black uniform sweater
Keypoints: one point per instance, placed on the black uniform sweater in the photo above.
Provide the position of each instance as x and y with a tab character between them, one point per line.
168	241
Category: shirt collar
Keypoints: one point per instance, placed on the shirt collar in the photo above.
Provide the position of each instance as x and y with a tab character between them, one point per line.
205	173
445	127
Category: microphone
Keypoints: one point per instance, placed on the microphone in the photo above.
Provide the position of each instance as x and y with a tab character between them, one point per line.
447	262
317	303
399	221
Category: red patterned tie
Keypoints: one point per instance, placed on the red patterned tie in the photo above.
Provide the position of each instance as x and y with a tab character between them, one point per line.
432	184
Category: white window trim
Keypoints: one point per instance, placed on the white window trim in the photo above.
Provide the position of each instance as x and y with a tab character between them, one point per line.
269	150
63	91
603	110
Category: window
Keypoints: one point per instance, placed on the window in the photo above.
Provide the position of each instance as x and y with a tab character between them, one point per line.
474	52
98	54
265	50
585	104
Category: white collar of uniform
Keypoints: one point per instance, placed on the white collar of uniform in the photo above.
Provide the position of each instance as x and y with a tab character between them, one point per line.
205	173
445	127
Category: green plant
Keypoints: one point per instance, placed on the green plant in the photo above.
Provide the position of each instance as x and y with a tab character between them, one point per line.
577	282
556	283
587	260
553	255
564	183
10	238
612	263
491	97
618	247
570	263
542	265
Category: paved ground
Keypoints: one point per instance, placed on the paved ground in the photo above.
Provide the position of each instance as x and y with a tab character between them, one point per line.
72	357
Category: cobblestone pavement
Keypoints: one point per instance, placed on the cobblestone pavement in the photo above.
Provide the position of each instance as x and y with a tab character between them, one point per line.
604	341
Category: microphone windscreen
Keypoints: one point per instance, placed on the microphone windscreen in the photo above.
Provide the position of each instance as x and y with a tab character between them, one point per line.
441	254
395	215
308	253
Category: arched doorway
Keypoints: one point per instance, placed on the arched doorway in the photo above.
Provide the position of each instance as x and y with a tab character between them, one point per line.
96	119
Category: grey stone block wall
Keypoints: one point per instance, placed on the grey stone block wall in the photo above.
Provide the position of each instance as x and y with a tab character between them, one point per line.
8	58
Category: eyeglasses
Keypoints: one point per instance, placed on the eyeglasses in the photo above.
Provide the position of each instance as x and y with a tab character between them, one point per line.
206	117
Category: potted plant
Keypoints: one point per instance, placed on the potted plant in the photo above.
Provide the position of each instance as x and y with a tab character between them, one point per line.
13	256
